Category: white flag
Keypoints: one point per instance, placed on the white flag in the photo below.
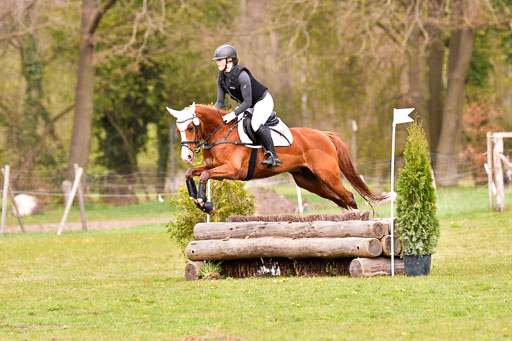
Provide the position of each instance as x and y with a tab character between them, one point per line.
402	115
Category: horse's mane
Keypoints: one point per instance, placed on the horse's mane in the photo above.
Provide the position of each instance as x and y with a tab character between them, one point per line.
211	108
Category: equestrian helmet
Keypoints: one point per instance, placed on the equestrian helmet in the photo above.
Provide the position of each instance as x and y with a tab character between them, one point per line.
224	51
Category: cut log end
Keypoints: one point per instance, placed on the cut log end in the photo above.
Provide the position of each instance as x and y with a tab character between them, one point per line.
379	229
386	245
374	247
192	270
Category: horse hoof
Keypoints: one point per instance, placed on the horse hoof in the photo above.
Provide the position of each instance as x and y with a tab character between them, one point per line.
209	208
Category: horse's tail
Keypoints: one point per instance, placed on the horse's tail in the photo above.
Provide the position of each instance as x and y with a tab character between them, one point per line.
349	170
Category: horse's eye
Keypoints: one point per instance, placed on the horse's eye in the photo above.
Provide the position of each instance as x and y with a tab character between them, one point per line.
190	128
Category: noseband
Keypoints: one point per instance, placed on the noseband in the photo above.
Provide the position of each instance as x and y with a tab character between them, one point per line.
199	144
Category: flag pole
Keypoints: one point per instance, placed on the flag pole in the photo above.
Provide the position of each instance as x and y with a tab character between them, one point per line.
399	116
392	210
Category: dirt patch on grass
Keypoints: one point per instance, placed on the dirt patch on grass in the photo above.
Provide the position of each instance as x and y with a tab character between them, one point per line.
269	202
93	225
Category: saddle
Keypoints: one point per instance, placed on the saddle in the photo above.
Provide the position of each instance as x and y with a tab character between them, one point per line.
279	132
247	119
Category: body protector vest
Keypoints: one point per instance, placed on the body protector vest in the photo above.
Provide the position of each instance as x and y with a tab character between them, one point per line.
229	83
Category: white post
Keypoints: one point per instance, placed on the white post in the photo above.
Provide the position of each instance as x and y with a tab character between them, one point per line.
81	202
4	197
70	199
490	182
498	173
208	199
299	199
392	208
15	209
399	116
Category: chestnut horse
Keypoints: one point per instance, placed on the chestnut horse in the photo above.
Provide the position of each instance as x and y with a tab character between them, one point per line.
315	158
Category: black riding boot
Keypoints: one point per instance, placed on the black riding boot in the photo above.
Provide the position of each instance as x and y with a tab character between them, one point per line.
263	135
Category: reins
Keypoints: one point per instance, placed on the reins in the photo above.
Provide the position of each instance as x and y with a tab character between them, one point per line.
223	141
202	144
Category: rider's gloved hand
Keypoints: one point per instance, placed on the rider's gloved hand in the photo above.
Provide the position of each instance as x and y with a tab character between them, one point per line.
229	117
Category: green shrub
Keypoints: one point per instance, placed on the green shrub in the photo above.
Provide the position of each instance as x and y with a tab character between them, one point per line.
211	270
417	224
230	197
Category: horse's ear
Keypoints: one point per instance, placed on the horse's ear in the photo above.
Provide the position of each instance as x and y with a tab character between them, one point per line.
173	112
193	107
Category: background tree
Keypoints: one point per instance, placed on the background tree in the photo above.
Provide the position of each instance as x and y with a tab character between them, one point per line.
81	135
26	114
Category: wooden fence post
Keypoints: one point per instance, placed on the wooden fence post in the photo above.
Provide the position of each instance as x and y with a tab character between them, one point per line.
4	198
70	199
498	173
490	165
15	209
81	201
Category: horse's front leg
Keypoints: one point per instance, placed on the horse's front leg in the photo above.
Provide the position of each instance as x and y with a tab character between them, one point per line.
225	171
191	185
191	172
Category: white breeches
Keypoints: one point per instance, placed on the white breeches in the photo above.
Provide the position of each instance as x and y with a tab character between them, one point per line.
262	111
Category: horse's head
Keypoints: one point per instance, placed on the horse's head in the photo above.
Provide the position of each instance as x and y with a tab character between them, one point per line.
187	124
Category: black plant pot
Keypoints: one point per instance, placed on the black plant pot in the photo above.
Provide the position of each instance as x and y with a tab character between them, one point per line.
417	265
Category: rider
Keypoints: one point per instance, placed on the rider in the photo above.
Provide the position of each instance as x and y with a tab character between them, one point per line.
238	82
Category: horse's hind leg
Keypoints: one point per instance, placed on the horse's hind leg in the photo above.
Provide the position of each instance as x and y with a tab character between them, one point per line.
307	180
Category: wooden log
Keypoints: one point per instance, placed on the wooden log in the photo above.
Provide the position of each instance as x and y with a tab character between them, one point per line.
302	218
192	270
275	247
385	242
369	267
314	229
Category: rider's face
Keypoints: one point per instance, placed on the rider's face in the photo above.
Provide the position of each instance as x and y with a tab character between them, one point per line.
221	64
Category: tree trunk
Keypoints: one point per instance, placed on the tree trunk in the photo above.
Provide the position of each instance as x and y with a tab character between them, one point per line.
416	72
435	73
461	49
33	109
81	135
163	135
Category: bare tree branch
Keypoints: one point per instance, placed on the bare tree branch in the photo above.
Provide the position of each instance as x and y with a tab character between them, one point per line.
95	21
22	33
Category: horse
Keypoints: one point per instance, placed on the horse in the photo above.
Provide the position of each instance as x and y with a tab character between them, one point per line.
315	159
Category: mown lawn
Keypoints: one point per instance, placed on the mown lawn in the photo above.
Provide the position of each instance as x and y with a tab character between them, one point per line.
52	214
129	284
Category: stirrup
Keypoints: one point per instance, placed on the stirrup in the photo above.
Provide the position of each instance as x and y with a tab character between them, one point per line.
271	161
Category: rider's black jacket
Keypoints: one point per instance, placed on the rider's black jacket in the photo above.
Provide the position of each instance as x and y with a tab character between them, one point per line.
229	82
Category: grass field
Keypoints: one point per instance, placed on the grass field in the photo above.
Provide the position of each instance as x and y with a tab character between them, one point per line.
52	214
129	284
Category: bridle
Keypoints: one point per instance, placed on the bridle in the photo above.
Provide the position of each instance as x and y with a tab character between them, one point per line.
199	142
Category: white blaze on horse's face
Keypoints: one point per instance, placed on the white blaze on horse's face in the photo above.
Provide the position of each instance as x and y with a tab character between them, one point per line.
186	123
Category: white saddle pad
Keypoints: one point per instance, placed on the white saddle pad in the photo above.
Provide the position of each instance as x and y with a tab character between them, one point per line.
281	135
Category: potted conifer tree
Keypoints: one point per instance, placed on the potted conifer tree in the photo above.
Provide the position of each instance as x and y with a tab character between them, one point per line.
417	226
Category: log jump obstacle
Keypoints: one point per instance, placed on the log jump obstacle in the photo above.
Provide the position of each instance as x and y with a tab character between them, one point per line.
350	244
